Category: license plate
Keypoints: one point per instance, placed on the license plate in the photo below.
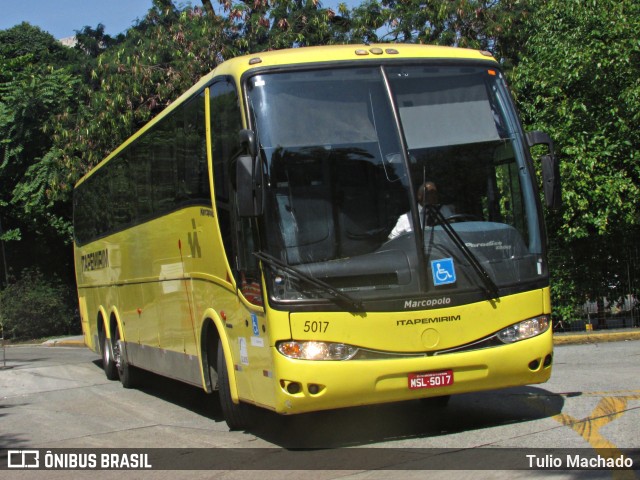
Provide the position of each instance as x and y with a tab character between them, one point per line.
430	379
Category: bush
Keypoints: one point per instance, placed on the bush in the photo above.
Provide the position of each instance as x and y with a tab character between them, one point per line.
36	307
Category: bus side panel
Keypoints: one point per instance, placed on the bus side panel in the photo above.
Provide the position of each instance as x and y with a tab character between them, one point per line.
85	323
250	342
89	318
164	255
144	275
92	265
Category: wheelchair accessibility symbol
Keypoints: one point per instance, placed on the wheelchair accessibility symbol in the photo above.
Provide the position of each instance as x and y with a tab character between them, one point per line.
443	271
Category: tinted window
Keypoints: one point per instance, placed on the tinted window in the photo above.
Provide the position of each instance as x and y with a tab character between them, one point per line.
226	122
163	170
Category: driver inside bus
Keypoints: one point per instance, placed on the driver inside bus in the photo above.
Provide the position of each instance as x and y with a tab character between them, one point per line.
427	195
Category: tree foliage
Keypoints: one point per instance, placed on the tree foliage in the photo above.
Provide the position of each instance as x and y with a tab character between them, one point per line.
94	41
478	24
168	51
573	65
258	25
578	79
30	103
36	307
27	41
132	81
36	86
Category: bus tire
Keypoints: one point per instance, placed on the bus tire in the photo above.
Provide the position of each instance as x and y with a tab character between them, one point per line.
127	373
108	362
237	416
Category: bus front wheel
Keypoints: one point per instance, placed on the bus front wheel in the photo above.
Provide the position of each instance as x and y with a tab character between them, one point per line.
237	416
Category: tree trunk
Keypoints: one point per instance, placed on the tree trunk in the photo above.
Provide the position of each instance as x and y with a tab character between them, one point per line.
208	7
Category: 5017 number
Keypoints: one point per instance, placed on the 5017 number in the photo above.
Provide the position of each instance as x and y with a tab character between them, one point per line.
315	326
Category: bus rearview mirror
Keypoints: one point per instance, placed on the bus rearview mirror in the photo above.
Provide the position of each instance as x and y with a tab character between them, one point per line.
550	169
249	189
248	141
551	181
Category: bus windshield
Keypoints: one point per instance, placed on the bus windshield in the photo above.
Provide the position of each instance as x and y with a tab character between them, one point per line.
394	182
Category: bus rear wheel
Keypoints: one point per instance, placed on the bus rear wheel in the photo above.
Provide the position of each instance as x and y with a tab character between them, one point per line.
127	373
108	363
238	416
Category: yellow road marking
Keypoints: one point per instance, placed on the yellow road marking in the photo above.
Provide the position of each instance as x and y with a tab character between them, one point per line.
609	408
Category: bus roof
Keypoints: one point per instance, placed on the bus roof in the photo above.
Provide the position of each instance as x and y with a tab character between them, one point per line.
238	66
342	53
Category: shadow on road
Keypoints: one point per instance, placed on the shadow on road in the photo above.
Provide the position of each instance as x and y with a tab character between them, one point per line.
178	393
408	420
359	426
9	440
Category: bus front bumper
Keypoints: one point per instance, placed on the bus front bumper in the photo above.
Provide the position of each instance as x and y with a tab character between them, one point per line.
307	386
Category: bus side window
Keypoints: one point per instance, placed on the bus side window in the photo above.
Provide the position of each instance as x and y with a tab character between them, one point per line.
121	211
191	146
164	165
237	235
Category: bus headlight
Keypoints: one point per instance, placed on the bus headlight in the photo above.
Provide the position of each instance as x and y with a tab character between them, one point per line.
525	329
316	350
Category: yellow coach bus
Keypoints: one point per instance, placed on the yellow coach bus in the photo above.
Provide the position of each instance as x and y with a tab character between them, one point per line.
323	227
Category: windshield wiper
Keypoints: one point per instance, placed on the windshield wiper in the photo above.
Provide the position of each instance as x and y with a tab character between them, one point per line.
336	295
490	288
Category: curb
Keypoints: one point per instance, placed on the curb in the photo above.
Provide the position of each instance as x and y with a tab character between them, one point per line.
65	342
584	338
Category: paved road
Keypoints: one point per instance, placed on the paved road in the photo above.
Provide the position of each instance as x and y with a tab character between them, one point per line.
59	397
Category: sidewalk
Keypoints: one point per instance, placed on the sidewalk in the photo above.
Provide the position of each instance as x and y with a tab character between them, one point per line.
76	341
559	338
596	336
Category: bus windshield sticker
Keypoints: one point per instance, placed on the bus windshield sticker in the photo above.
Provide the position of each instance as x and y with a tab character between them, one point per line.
254	324
244	354
443	271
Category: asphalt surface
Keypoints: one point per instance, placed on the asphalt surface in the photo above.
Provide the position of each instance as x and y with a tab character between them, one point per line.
59	398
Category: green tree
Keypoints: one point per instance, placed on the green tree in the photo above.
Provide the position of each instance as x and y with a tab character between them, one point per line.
479	24
30	102
132	81
578	78
574	67
257	25
36	307
36	86
94	41
31	42
303	23
162	56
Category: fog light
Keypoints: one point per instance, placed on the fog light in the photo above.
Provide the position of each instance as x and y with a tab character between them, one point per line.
525	329
294	388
